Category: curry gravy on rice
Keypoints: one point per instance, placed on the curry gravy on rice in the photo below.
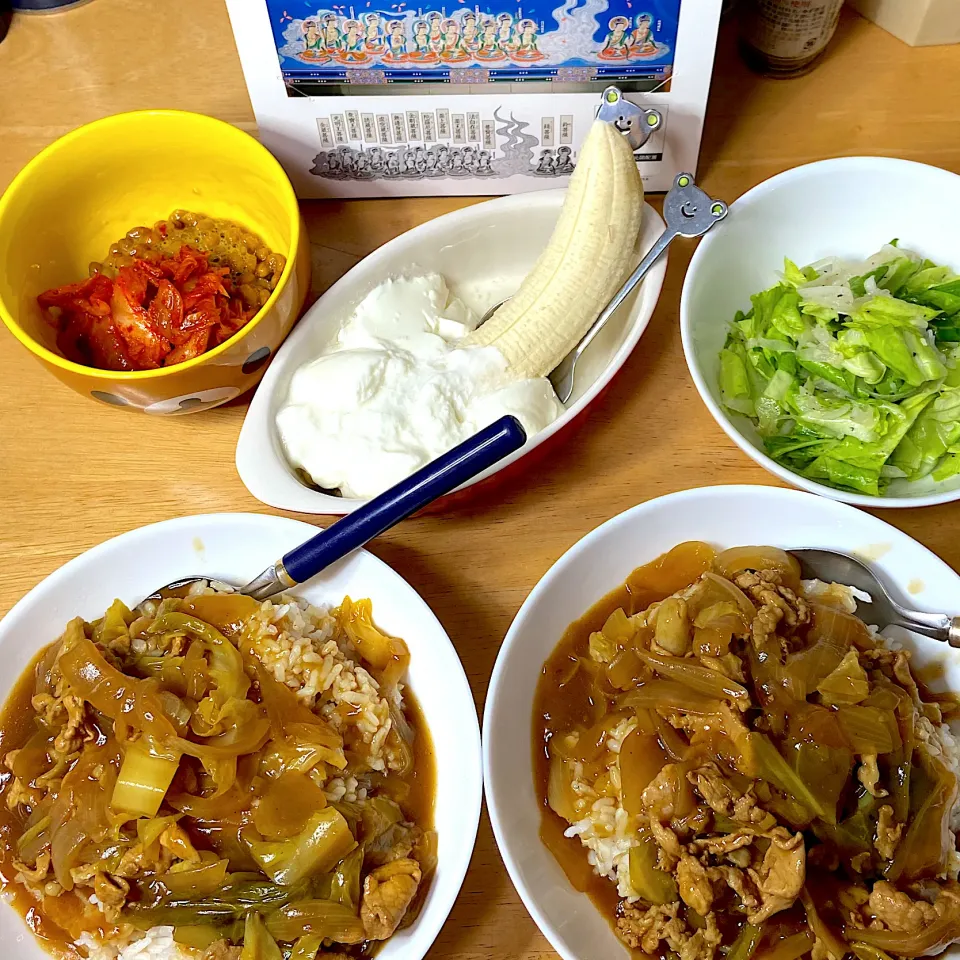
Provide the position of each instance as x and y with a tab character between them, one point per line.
732	764
207	772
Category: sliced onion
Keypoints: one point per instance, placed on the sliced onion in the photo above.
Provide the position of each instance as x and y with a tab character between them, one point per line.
839	628
669	694
737	559
626	670
673	571
641	759
715	589
560	794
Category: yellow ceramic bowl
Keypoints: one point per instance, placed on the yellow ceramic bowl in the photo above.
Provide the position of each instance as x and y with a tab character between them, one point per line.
83	192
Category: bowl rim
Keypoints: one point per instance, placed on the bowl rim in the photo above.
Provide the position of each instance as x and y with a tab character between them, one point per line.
724	421
446	885
258	429
285	192
498	809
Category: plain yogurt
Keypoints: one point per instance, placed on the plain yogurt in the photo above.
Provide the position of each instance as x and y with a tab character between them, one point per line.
394	391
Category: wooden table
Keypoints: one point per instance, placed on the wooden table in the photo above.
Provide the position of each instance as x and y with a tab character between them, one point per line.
73	473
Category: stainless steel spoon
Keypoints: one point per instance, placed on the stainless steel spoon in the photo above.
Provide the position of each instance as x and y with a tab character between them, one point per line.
881	610
688	212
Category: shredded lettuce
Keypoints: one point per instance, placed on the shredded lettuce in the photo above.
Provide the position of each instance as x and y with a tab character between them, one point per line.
735	387
851	371
925	445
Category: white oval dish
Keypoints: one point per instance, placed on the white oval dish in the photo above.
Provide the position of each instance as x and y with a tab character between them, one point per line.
845	207
484	252
724	516
234	547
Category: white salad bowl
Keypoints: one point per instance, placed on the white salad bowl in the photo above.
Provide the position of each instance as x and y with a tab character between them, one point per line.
484	252
724	516
847	207
233	547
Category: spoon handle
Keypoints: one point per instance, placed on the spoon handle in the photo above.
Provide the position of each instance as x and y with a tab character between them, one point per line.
653	255
688	212
938	626
437	478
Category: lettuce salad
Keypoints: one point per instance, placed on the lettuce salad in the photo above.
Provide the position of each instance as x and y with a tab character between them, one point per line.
851	371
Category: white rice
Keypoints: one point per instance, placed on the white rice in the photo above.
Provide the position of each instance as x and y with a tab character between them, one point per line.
608	833
950	754
619	733
841	594
941	743
156	944
297	643
344	788
846	597
606	830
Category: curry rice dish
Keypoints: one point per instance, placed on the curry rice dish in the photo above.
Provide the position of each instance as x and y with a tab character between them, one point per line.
207	776
733	765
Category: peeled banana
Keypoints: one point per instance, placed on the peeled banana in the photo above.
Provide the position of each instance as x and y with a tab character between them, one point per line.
587	259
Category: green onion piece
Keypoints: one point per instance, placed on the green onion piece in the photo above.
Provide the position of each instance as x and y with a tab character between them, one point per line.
790	948
306	947
345	880
322	918
863	951
31	841
746	942
324	841
201	881
199	935
769	765
654	885
258	944
145	775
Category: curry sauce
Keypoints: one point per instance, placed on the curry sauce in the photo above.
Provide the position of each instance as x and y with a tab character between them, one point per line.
557	706
776	763
17	723
228	842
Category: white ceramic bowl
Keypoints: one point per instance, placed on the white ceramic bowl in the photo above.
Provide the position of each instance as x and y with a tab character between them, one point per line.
235	547
848	207
484	252
723	516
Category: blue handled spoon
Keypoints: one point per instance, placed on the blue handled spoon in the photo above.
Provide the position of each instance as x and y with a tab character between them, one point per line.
431	482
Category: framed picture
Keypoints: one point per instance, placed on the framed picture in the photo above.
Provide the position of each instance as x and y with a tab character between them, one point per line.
372	98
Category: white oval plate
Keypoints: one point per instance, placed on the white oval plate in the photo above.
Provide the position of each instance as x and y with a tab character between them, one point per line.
484	252
235	547
601	561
